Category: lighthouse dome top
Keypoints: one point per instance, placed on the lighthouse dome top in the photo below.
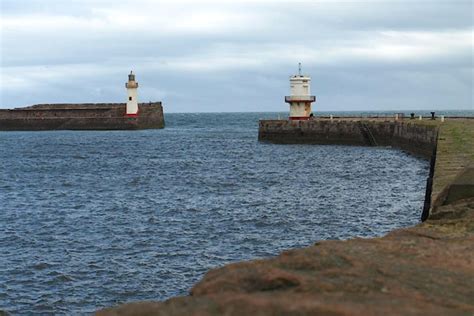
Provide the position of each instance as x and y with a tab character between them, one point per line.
131	84
299	76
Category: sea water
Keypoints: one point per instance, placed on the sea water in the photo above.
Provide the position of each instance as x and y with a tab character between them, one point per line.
90	219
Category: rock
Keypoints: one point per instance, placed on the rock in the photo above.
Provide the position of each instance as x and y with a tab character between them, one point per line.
427	269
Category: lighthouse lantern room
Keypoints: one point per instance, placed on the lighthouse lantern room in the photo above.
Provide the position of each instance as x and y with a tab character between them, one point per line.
300	98
132	101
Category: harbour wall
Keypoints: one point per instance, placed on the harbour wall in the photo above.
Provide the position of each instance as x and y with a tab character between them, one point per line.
416	138
94	116
420	138
425	269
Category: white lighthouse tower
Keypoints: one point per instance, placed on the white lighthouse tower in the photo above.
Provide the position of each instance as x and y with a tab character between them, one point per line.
132	101
300	98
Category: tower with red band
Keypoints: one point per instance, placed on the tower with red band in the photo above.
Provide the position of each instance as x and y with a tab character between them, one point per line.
132	94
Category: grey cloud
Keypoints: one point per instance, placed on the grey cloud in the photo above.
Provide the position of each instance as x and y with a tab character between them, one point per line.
244	68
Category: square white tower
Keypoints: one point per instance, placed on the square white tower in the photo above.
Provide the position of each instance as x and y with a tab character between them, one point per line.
300	98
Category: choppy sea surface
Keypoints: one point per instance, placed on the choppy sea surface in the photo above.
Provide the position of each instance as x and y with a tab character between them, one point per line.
91	219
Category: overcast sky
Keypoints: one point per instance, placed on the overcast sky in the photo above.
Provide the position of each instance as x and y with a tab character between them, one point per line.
230	56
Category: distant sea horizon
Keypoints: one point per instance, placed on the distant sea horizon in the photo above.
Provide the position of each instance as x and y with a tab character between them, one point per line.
468	113
424	112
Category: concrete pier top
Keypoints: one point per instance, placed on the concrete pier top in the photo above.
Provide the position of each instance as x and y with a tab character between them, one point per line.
454	167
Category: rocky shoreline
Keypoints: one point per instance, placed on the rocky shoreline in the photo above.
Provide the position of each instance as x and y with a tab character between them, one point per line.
427	269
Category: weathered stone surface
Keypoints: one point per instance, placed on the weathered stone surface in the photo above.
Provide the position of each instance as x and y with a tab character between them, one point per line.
100	116
462	187
407	135
424	270
454	162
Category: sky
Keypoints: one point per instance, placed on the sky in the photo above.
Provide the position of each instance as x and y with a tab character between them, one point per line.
237	56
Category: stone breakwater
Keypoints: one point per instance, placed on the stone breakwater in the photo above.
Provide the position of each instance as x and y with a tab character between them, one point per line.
423	270
415	138
93	116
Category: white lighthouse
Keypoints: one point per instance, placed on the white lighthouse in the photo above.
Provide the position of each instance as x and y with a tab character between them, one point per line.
132	101
300	98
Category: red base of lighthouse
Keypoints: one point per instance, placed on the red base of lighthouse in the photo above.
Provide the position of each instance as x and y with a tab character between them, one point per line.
299	118
132	114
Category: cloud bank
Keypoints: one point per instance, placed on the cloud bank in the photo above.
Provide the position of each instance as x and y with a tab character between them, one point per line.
227	56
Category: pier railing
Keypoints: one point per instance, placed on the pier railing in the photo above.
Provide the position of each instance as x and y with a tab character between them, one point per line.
385	117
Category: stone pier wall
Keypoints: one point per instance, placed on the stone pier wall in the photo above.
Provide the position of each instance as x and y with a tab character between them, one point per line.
447	145
101	116
416	138
412	136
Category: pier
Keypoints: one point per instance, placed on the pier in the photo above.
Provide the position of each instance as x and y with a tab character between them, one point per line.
83	116
425	269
